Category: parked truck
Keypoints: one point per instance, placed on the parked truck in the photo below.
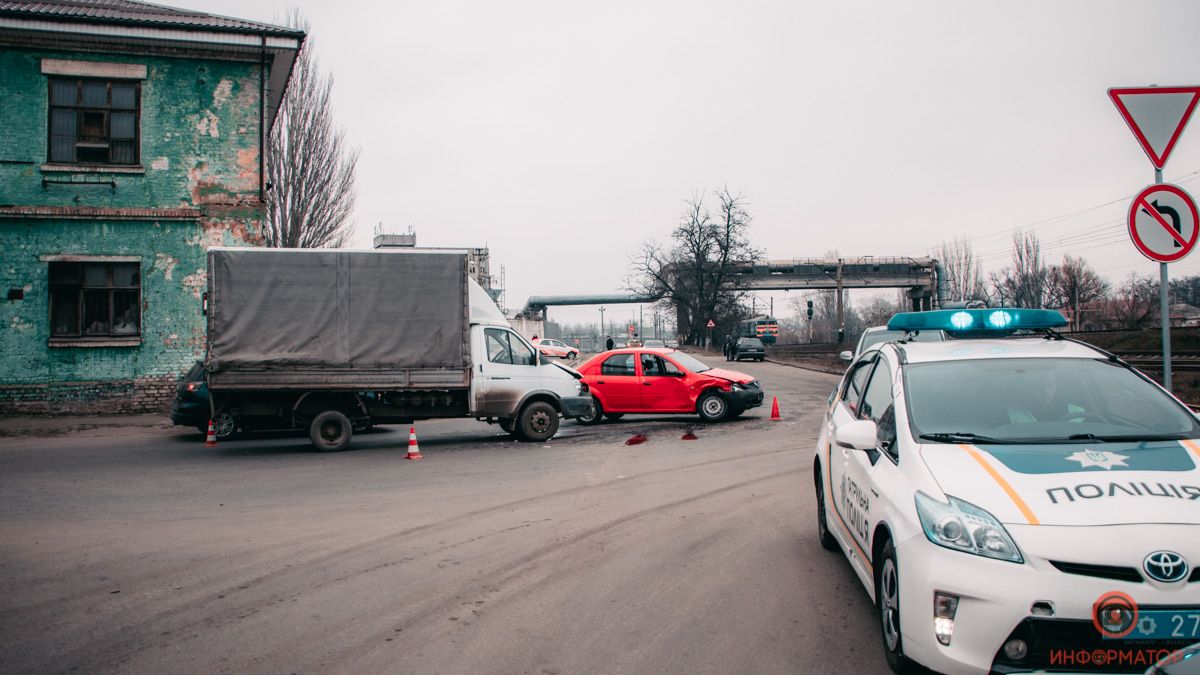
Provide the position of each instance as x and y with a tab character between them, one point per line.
332	341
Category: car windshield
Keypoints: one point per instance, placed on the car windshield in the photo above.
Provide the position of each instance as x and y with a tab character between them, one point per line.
877	336
689	362
1039	400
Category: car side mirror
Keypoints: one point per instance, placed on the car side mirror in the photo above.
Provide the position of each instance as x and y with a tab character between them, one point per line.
846	356
857	435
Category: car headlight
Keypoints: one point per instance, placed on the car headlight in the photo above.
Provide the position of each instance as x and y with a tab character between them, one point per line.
734	386
578	386
962	526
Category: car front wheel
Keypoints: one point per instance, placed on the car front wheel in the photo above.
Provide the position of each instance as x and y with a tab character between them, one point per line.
887	595
712	407
537	422
593	415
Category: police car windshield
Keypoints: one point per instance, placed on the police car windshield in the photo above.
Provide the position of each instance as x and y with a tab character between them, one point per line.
1039	400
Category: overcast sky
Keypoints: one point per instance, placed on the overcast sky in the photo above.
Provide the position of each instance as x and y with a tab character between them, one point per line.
562	134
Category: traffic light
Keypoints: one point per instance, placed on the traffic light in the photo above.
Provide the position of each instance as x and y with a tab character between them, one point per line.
810	310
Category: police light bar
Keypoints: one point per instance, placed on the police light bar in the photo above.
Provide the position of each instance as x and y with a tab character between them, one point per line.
981	321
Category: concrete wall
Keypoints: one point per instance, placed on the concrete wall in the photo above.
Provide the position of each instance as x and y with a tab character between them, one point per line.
198	186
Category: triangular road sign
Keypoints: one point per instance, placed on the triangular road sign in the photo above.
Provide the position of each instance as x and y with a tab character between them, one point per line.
1156	115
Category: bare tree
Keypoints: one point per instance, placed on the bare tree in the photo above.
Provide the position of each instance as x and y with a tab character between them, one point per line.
1023	283
310	165
964	278
1072	284
693	274
1135	302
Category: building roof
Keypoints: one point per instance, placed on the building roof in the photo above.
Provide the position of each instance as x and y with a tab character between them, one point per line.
132	13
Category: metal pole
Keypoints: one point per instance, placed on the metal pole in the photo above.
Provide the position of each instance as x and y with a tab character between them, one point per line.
1164	308
603	330
841	321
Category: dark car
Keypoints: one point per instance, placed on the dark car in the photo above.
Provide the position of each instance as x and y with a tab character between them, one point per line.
191	406
747	348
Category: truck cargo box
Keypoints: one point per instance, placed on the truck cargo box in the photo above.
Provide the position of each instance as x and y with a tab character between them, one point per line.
333	319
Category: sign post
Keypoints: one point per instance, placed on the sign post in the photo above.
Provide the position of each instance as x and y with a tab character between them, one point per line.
1157	117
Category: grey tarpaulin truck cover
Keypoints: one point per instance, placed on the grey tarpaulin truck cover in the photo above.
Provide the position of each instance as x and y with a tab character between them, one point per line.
334	319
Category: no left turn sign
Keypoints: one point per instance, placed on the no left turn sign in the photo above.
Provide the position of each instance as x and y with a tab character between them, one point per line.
1162	223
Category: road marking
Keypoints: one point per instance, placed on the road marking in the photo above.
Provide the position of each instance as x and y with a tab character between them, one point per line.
1012	494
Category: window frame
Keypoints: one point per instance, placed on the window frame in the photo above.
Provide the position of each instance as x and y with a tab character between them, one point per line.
80	289
632	358
79	108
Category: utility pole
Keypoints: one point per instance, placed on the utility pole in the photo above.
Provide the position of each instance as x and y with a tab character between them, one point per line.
603	329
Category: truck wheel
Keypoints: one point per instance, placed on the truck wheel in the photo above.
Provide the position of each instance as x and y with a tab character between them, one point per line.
537	422
330	431
593	415
712	407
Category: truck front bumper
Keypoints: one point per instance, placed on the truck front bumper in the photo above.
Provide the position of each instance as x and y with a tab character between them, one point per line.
574	406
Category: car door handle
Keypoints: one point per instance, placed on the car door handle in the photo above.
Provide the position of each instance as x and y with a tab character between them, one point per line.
501	378
645	384
599	381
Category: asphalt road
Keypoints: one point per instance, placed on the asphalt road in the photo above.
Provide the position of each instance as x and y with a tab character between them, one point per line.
151	553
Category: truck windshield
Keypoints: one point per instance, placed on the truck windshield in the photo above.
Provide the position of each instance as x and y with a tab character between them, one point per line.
1039	400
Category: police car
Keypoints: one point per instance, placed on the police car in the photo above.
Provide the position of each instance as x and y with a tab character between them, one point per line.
1013	500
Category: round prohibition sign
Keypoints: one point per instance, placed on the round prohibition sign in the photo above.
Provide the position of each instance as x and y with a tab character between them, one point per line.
1163	222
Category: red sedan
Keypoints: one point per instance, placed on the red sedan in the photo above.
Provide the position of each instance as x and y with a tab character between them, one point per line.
644	380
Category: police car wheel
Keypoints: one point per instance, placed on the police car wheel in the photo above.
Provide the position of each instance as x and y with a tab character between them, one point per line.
887	594
823	533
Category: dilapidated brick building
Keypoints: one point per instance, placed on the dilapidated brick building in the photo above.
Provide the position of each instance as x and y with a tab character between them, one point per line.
133	139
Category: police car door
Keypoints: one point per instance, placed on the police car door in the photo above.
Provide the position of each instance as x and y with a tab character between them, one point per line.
845	411
872	472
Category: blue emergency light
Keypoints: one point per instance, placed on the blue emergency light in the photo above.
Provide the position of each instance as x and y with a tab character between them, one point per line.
997	321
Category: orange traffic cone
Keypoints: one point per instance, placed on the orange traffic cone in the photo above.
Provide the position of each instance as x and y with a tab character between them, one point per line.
414	450
774	408
211	440
636	439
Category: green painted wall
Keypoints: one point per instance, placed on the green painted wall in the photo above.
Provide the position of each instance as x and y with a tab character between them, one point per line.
199	134
199	150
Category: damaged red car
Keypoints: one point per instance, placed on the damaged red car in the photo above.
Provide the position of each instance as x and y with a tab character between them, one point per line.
655	381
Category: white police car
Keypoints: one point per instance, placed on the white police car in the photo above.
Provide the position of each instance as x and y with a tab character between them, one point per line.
1013	500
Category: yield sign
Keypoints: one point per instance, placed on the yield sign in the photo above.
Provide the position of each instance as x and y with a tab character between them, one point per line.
711	324
1163	223
1156	115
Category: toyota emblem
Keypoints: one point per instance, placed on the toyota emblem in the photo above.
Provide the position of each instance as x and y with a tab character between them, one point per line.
1165	566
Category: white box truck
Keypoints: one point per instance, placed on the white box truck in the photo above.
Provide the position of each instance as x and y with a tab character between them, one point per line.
334	340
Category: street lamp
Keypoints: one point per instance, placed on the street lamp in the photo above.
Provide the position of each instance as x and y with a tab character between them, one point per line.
603	331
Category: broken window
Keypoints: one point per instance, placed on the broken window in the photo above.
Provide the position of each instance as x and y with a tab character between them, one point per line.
94	121
95	299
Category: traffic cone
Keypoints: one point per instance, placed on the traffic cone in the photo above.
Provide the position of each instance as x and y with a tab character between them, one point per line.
211	440
636	439
688	436
774	408
414	450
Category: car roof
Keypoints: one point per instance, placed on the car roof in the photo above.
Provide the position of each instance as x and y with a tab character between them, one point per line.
995	348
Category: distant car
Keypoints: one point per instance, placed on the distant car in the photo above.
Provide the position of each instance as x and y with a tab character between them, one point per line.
747	348
558	348
647	380
878	334
654	344
620	344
